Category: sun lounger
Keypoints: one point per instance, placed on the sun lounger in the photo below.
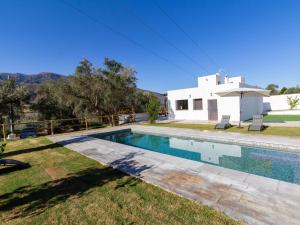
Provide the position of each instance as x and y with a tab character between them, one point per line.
224	124
257	123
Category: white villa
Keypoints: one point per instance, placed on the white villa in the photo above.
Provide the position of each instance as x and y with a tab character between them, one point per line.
201	103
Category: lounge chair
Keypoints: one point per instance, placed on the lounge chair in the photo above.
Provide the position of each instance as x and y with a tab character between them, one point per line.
257	123
224	124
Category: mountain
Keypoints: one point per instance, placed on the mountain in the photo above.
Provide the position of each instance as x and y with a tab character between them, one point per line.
31	79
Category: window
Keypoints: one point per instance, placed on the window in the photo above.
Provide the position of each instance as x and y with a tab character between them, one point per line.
182	105
198	105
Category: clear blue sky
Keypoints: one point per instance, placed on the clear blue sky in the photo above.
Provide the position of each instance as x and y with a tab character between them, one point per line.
259	39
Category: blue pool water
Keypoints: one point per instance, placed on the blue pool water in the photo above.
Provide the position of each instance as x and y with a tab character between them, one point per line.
279	165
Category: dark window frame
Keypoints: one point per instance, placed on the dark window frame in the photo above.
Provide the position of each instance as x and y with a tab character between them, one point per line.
201	105
185	104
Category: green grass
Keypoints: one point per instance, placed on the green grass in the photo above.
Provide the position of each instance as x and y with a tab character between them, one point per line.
282	131
64	187
281	118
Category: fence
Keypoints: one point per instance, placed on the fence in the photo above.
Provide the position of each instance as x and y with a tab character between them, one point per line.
50	127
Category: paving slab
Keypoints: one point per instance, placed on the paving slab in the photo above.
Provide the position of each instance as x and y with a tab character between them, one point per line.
248	198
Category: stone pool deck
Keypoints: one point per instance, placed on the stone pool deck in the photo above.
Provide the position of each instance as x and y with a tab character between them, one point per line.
248	198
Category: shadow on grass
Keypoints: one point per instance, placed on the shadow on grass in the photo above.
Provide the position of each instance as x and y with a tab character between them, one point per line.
33	200
29	150
9	169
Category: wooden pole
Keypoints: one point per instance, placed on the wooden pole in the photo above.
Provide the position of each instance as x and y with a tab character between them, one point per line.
51	123
3	130
86	123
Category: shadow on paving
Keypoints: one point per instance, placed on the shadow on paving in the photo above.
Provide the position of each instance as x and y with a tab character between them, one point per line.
29	150
129	165
33	200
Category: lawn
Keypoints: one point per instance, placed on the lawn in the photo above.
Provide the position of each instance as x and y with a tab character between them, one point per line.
281	118
64	187
283	131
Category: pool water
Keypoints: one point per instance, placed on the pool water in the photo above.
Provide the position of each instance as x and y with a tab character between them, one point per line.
270	163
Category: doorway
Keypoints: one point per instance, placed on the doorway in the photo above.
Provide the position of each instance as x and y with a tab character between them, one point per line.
212	106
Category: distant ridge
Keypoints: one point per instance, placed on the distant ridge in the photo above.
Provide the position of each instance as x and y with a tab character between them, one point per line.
32	79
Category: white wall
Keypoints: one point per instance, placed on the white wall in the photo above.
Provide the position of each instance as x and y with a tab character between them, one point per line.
211	80
226	105
278	102
251	106
207	87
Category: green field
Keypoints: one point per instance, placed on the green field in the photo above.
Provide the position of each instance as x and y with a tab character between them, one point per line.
64	187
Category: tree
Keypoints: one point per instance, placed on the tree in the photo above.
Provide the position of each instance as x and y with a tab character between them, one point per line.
120	82
12	97
92	91
86	91
283	90
293	102
293	90
139	100
101	91
153	108
51	100
273	88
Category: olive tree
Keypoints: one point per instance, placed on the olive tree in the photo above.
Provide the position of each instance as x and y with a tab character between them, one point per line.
12	97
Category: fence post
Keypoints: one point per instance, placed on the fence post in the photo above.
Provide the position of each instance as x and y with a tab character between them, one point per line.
86	123
3	130
51	124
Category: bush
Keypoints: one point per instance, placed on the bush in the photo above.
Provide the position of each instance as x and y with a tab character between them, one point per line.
293	102
153	108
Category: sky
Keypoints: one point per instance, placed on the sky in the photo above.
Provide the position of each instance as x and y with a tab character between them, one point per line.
168	42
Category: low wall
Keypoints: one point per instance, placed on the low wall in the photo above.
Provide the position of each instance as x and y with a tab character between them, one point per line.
278	102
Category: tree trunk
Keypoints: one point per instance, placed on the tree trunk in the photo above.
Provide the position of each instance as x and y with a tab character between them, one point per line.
110	119
113	120
11	119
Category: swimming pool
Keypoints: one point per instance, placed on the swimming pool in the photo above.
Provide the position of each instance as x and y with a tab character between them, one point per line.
265	162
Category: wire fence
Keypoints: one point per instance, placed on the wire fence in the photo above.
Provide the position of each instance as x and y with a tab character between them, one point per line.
51	127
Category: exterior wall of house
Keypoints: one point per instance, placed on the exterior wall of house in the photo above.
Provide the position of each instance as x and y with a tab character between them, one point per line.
207	87
278	102
251	106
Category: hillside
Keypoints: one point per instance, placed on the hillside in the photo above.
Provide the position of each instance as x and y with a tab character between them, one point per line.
31	79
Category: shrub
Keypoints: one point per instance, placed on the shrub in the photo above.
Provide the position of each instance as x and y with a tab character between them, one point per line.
293	102
153	108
